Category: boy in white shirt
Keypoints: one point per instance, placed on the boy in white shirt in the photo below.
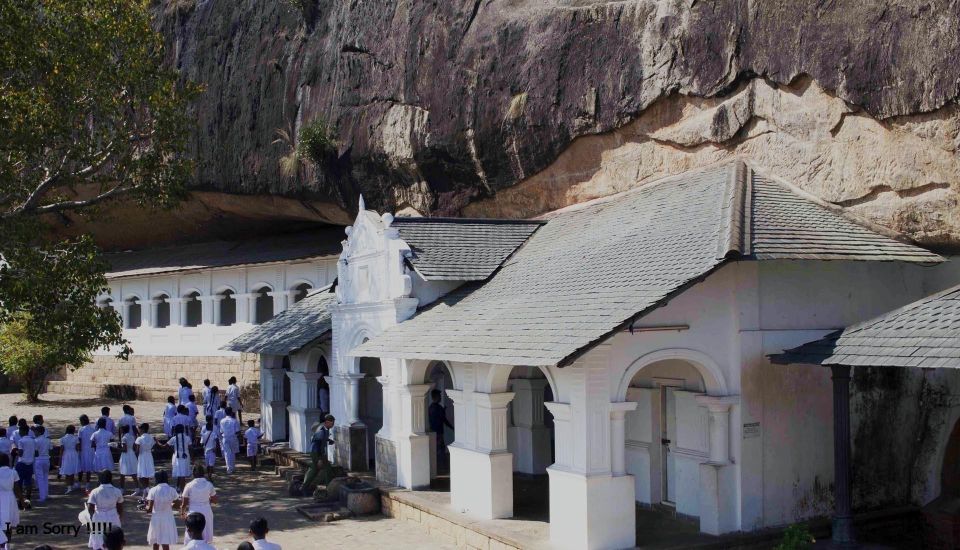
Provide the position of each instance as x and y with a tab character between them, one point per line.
252	435
259	530
6	444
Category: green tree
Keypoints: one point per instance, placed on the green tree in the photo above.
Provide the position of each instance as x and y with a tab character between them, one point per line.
88	115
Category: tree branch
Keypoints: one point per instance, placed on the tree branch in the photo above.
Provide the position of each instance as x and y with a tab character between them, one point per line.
50	181
116	191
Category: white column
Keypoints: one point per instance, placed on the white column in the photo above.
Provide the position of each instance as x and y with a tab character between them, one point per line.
216	299
176	311
303	408
183	310
207	304
529	437
246	308
618	440
273	408
481	468
153	314
718	484
413	453
279	300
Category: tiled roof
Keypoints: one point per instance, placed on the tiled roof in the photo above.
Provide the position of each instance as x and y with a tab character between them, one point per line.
291	330
924	334
594	269
461	249
276	248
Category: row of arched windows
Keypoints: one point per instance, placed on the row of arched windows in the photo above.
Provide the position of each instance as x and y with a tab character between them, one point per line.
191	308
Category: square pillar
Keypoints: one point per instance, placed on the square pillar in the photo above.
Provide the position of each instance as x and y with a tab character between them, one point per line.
153	317
718	484
273	408
413	452
176	311
303	408
529	437
350	434
481	471
208	305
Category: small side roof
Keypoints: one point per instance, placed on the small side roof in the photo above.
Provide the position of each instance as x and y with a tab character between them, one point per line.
455	249
593	270
302	245
292	329
924	334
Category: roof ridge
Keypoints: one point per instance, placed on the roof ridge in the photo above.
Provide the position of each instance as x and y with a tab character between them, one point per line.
735	211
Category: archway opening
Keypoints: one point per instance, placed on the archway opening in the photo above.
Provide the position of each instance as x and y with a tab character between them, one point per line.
228	308
370	406
134	313
192	309
666	436
530	438
163	311
263	307
300	291
439	411
323	388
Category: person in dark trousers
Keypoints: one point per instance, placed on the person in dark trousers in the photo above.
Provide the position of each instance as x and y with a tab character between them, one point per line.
318	452
437	416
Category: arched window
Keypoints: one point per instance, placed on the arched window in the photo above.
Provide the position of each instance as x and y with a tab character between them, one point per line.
107	303
163	311
134	313
264	306
228	308
193	310
301	291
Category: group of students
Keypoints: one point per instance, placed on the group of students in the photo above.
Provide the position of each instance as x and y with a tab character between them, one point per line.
25	461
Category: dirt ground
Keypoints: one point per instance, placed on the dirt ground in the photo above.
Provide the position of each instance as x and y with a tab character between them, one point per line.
243	497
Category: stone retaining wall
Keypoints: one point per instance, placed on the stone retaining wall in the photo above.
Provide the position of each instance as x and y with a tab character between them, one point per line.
154	377
463	536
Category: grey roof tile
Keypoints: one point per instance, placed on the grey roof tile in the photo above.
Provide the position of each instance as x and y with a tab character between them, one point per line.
291	330
595	268
922	334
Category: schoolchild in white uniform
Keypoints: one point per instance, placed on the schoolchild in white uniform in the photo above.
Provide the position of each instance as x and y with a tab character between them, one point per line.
128	458
184	393
259	530
169	412
41	466
208	440
104	504
181	456
182	419
192	412
26	458
252	435
229	443
111	426
160	501
6	444
9	510
196	523
233	398
102	457
211	403
205	391
70	458
88	462
145	467
198	496
128	419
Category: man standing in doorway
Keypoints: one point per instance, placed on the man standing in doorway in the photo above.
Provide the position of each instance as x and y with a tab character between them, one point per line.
319	463
437	415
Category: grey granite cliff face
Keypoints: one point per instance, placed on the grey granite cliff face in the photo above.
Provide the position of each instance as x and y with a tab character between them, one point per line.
517	107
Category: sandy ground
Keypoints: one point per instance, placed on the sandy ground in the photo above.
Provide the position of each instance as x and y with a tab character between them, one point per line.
243	496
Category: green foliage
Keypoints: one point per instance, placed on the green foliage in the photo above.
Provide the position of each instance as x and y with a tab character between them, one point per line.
317	142
88	115
796	537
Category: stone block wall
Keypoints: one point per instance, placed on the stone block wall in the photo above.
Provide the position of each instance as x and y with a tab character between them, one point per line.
154	377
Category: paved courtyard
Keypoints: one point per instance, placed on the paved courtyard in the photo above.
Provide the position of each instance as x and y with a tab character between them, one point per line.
243	497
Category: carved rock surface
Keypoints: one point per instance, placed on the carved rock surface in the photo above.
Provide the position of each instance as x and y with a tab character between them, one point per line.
515	107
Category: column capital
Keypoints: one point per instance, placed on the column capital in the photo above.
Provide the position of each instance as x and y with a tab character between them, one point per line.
207	297
458	396
560	411
493	400
351	376
248	295
718	403
620	408
304	376
416	390
275	293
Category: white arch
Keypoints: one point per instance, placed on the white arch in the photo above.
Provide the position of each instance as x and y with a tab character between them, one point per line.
160	293
223	288
299	282
104	299
190	291
257	287
713	378
498	379
357	335
430	366
132	296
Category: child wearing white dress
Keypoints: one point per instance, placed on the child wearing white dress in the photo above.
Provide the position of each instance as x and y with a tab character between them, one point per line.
6	444
70	458
181	456
9	511
102	456
128	457
105	505
198	496
252	435
208	440
169	412
163	526
88	461
41	466
184	393
145	467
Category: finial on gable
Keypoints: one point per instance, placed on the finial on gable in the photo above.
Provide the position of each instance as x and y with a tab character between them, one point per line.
362	205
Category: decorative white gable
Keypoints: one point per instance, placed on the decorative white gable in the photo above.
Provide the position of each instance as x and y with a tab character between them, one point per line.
371	268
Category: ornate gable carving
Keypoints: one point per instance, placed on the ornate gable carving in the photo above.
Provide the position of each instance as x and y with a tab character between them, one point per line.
371	267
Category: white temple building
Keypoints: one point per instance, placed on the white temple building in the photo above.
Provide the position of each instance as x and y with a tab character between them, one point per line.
619	346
